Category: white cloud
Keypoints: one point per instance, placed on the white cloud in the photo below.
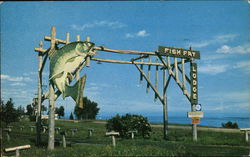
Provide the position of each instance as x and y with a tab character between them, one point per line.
15	79
110	24
245	65
18	84
213	69
230	50
216	39
141	33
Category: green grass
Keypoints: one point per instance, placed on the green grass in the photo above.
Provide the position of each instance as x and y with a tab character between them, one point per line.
179	142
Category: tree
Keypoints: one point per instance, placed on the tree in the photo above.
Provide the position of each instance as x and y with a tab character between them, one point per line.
124	124
31	111
60	111
8	112
71	117
89	111
20	110
229	124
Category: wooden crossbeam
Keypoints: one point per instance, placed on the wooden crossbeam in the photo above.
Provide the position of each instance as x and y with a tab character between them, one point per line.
58	41
124	51
125	62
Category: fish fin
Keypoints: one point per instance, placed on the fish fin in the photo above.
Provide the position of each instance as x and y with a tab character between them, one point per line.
57	75
76	91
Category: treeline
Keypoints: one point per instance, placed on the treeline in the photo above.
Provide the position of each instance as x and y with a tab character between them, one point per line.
11	114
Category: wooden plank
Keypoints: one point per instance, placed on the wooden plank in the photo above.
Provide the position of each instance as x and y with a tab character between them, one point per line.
244	129
124	51
124	62
195	114
16	148
112	133
140	57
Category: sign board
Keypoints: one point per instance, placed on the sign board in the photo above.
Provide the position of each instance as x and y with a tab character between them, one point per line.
195	120
178	52
47	117
194	83
195	114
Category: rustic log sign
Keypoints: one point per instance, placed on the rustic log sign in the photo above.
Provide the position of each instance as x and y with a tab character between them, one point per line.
194	83
67	61
178	52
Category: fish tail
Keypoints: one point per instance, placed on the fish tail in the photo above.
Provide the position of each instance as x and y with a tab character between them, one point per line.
76	91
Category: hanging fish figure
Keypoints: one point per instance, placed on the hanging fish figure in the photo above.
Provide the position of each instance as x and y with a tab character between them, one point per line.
63	62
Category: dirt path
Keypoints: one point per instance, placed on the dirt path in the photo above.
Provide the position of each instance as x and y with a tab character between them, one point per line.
187	127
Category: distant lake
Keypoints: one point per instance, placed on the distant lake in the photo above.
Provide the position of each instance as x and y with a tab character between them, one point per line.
243	122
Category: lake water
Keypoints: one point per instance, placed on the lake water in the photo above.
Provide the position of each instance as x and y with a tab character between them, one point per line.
243	122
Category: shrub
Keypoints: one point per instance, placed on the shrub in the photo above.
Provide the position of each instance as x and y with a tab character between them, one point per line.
229	124
123	124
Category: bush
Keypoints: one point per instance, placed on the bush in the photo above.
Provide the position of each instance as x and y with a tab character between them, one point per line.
229	124
123	124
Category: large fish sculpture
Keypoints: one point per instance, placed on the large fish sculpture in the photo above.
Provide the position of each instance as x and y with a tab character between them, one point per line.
63	62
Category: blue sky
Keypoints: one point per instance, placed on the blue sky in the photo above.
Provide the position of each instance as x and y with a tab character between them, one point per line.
219	30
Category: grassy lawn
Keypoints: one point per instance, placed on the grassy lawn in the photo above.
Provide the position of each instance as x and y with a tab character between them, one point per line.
179	142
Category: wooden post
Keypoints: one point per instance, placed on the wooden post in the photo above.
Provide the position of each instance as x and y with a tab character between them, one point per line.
51	117
67	38
132	133
183	76
51	140
194	126
88	57
113	134
90	132
141	77
113	140
245	130
8	130
176	70
64	141
246	136
156	81
78	38
63	133
39	101
165	114
17	153
149	73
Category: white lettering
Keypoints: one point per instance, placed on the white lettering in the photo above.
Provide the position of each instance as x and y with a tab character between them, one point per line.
193	53
194	82
174	51
166	50
194	89
193	69
184	53
194	96
178	52
189	54
194	75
